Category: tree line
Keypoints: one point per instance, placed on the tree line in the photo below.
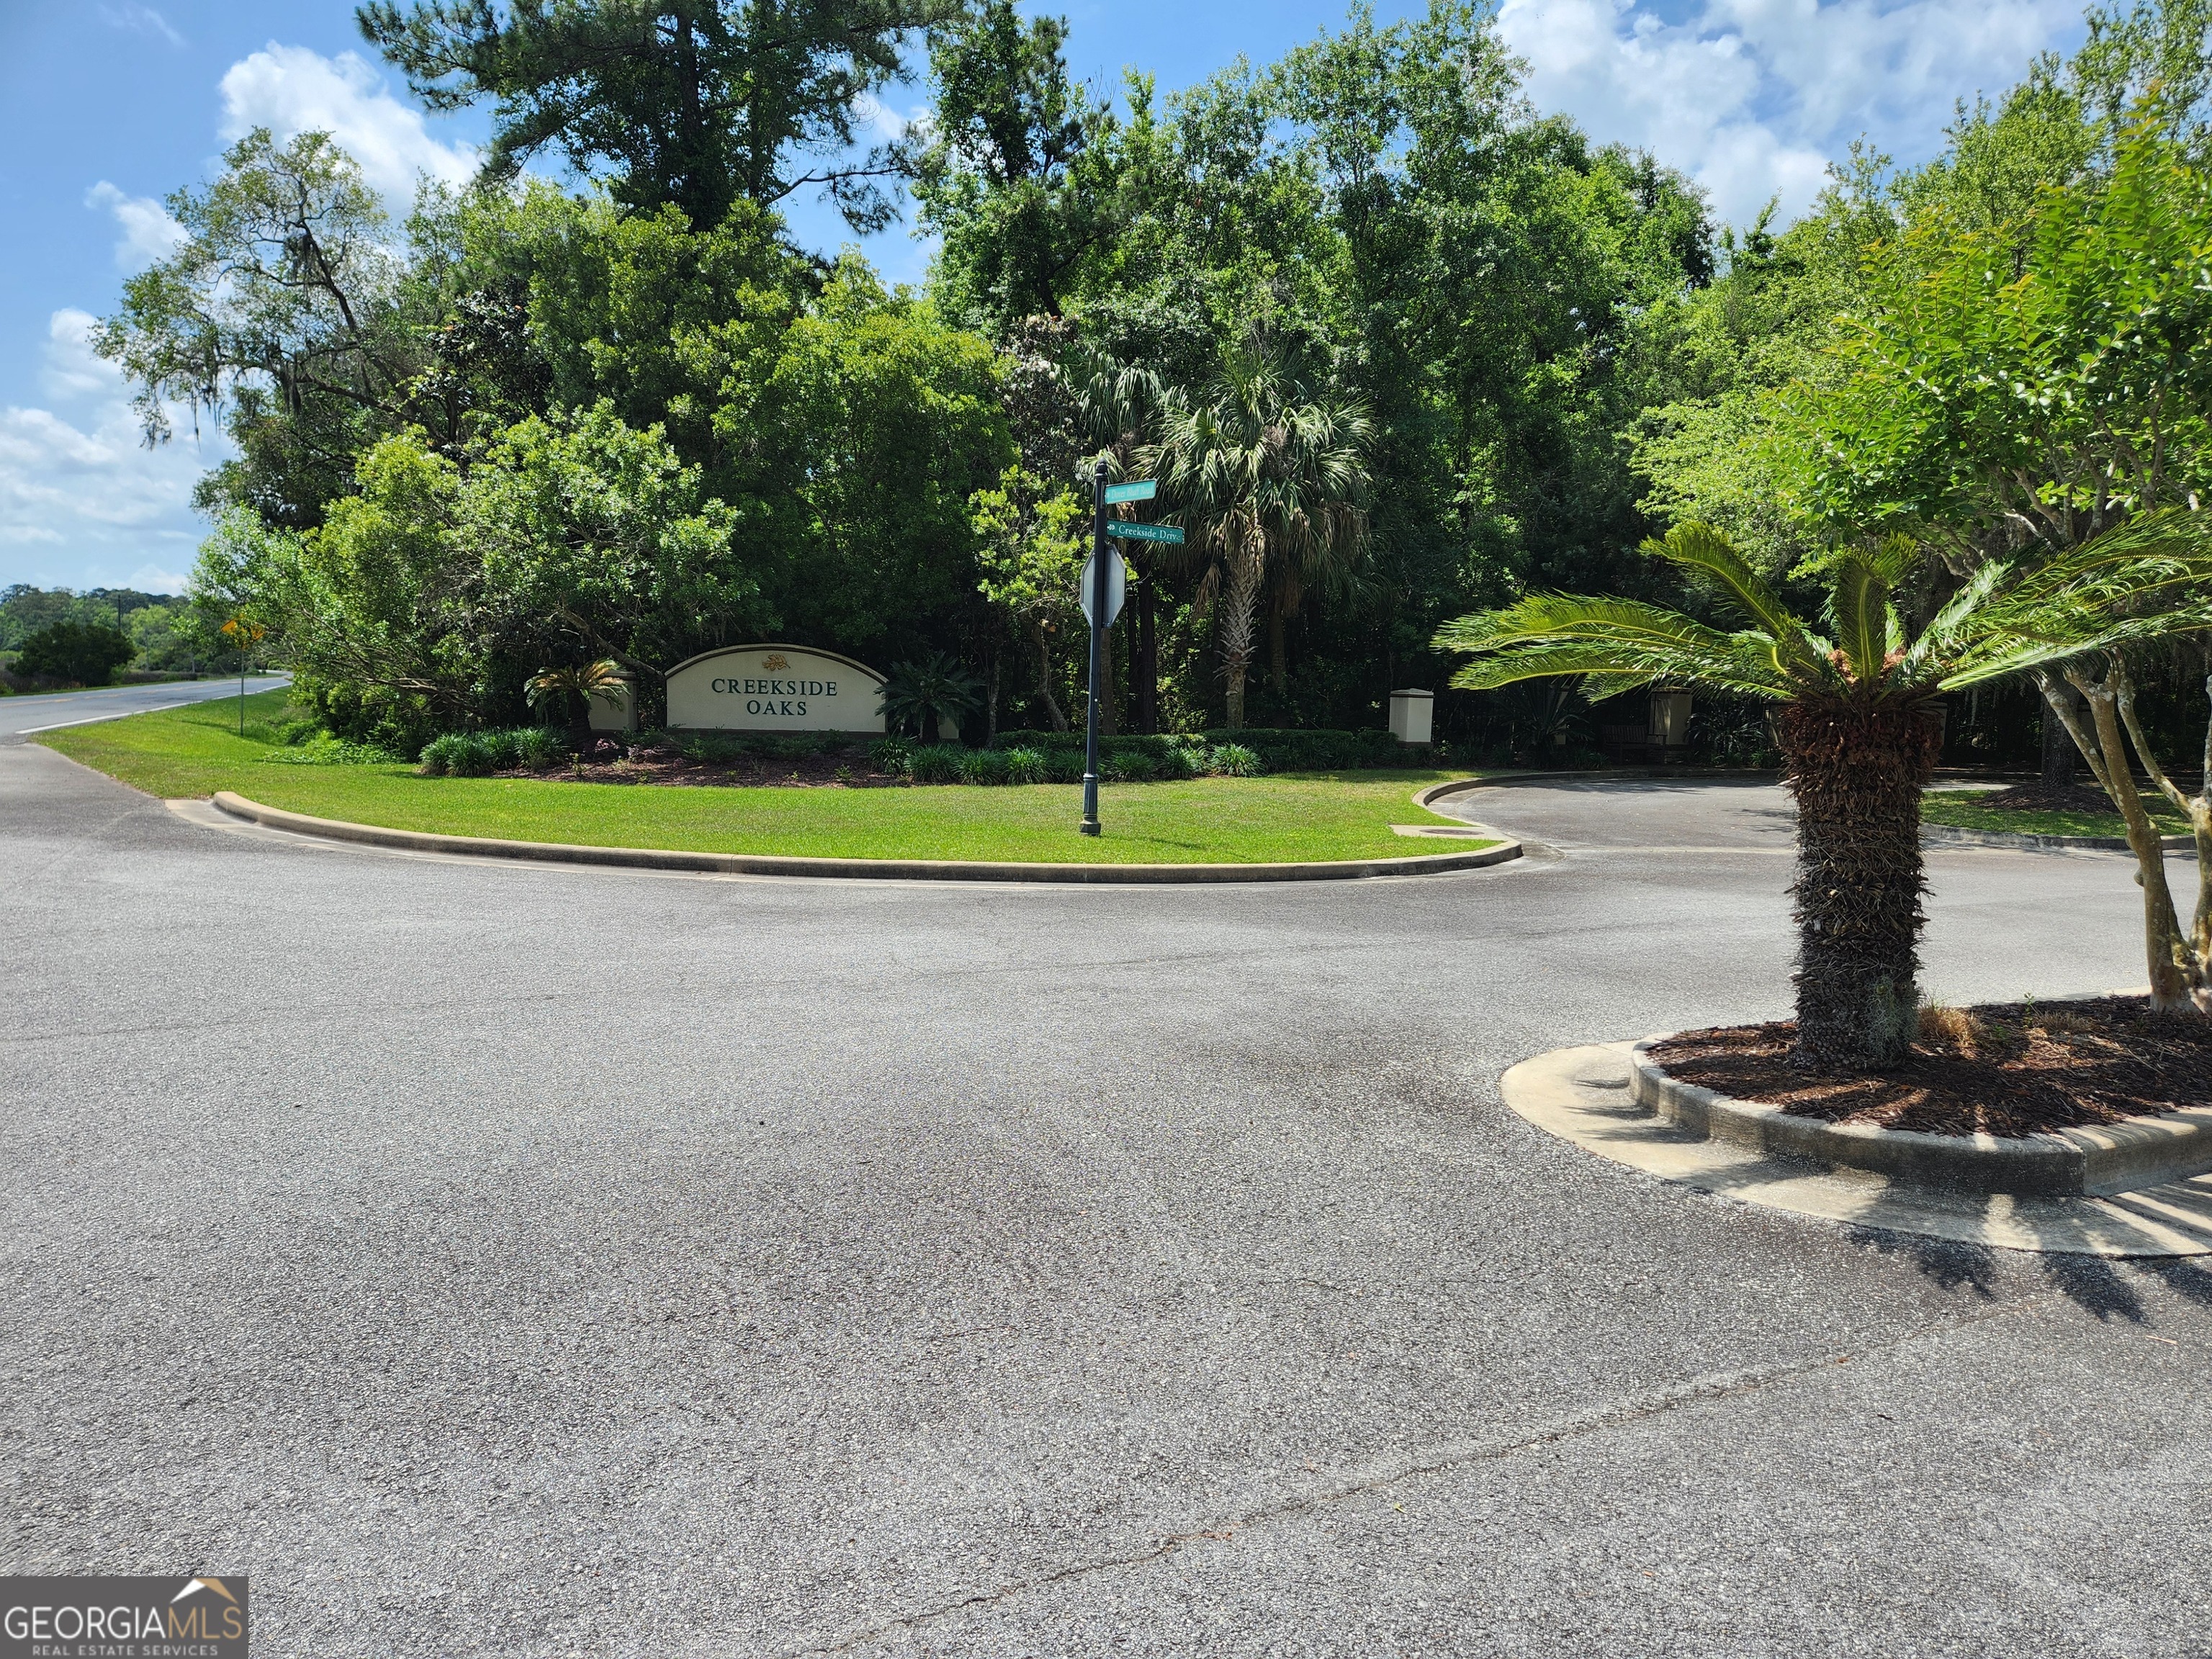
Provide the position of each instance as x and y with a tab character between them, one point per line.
1400	347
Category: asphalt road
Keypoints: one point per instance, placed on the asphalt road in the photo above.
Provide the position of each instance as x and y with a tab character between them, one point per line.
18	716
544	1261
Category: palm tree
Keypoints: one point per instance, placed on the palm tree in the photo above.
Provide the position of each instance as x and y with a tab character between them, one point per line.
1857	721
929	693
1266	475
603	680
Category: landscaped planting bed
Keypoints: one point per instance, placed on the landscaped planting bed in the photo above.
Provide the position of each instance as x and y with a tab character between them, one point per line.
2007	1069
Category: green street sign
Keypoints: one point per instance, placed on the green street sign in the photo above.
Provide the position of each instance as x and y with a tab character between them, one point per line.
1142	491
1146	533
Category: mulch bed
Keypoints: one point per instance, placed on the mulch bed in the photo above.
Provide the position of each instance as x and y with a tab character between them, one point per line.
2002	1069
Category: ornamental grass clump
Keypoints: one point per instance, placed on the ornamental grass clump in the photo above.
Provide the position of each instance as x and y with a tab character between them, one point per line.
1858	724
983	766
1233	760
939	762
1025	766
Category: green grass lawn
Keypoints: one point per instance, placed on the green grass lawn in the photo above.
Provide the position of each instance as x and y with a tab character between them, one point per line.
1962	809
197	751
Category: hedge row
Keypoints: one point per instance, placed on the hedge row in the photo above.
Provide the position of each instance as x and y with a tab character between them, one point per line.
1279	750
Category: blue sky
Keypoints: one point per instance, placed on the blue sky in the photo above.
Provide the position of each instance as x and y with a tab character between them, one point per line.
107	106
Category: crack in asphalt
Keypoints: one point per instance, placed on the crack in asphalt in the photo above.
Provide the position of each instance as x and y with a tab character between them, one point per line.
1718	1386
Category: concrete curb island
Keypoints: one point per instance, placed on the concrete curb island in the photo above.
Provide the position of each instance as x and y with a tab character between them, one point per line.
1957	836
1587	1096
2096	1163
762	864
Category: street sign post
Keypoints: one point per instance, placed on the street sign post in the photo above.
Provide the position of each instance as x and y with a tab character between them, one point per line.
1095	596
1104	581
1117	584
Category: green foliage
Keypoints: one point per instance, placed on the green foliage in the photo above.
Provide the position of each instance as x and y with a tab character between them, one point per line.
75	652
157	626
480	754
2029	382
700	107
2150	579
938	762
283	310
1267	473
984	766
929	694
1234	760
1013	173
1024	765
884	421
891	756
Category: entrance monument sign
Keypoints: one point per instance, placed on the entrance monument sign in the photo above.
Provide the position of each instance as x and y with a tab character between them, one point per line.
775	688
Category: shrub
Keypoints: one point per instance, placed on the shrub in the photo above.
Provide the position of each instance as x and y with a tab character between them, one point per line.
1063	766
439	755
478	754
983	766
940	762
1131	766
1177	762
1234	760
712	748
890	755
1025	766
538	748
1297	750
87	654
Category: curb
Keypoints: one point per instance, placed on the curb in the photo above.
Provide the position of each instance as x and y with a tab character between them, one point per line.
1953	833
1437	792
2147	1151
1582	1097
760	863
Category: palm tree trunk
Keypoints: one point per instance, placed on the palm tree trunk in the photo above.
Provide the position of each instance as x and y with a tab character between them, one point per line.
1148	651
1857	769
1239	612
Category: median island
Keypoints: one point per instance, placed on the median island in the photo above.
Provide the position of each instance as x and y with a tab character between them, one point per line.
1284	818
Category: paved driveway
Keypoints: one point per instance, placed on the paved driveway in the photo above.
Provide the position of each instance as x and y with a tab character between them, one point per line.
541	1261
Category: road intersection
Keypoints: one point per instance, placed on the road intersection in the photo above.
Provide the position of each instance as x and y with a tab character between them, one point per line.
545	1262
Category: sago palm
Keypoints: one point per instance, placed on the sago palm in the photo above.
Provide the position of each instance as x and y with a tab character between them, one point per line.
1856	719
1266	475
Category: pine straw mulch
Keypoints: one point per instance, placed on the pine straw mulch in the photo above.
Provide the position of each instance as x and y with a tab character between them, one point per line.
2007	1069
608	761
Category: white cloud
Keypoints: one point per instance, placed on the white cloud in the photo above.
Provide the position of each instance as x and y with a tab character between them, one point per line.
82	501
148	232
1753	97
152	579
291	90
141	20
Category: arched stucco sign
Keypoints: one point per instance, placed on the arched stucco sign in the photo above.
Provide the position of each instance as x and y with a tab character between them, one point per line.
774	688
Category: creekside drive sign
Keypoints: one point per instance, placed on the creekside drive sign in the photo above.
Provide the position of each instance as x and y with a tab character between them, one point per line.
775	688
